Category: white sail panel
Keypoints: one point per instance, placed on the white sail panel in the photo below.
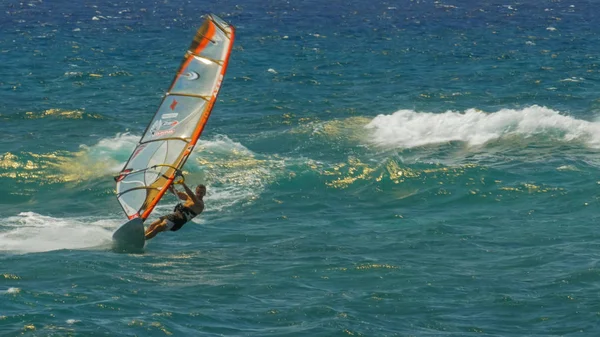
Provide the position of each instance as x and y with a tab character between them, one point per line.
214	48
198	79
148	170
177	117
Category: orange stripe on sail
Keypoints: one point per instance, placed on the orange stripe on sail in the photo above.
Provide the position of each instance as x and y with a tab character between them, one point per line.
210	33
205	39
208	109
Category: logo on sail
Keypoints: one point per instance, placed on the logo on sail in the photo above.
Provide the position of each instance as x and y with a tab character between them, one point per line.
163	133
156	127
169	115
192	75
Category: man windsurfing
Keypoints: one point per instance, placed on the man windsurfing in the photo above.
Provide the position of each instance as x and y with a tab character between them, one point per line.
191	206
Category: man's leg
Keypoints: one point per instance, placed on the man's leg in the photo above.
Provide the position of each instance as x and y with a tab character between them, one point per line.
152	225
155	228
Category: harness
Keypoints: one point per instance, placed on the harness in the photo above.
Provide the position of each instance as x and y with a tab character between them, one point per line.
187	212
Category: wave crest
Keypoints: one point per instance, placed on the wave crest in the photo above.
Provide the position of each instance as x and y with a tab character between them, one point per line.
409	129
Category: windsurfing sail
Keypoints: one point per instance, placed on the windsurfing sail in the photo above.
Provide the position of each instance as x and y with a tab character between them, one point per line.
172	134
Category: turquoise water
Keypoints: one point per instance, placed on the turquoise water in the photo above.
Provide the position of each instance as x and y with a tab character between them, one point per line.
373	168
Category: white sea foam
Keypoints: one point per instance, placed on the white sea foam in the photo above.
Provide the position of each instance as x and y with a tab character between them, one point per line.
572	79
108	154
223	145
104	158
408	128
31	232
234	173
11	290
121	141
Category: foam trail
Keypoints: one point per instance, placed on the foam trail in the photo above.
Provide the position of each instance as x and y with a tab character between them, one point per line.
221	144
408	129
30	232
121	142
233	173
114	150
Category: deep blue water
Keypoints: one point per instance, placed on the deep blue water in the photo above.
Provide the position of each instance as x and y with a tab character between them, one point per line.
413	168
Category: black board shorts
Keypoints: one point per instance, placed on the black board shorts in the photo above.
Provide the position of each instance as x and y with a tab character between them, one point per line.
176	219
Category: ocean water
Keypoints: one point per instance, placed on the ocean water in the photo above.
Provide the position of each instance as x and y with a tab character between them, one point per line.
374	168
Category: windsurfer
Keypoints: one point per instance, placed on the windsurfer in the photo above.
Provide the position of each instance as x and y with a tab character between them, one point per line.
185	211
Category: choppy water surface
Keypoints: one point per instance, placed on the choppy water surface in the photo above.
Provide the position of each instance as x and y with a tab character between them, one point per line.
373	169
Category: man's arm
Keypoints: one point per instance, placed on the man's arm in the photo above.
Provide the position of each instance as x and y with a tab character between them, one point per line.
190	193
180	195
